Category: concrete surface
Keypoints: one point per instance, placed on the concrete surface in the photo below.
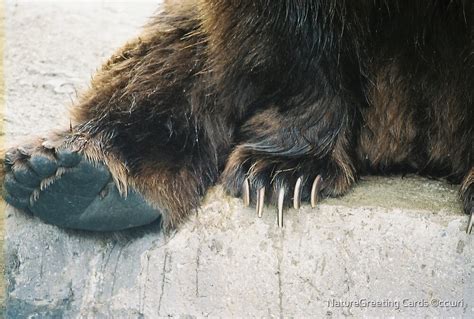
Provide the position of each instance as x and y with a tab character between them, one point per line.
398	244
2	142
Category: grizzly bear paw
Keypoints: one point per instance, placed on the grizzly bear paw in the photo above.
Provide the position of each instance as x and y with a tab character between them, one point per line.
282	181
62	187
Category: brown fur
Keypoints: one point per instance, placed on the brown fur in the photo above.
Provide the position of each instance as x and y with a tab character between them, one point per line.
388	137
275	90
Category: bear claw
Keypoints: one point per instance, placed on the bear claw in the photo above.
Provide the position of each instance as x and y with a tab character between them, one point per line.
246	192
297	196
297	193
281	200
315	189
260	201
83	197
470	222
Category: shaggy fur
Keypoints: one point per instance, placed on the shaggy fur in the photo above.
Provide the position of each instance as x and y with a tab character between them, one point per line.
276	89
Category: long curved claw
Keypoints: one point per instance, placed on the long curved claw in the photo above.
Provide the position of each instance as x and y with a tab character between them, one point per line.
48	145
9	160
260	201
470	222
246	192
315	190
23	151
297	194
281	199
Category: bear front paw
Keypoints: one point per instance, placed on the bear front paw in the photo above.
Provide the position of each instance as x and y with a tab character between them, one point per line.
281	181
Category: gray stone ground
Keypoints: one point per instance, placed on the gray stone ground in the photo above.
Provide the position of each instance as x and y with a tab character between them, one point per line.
390	240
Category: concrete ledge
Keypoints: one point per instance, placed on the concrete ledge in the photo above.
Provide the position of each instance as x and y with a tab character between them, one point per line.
227	263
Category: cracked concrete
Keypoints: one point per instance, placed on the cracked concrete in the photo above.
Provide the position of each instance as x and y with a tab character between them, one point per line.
389	240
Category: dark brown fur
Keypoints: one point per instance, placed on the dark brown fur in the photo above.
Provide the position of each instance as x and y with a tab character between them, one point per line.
274	90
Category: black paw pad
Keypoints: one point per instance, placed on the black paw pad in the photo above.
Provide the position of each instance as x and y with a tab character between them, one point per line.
83	197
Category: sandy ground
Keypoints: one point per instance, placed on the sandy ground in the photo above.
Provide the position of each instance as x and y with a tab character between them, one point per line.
388	238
